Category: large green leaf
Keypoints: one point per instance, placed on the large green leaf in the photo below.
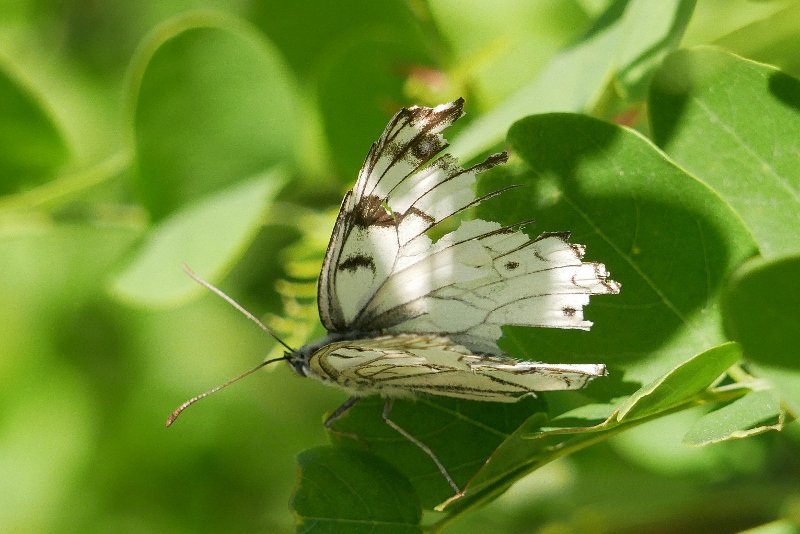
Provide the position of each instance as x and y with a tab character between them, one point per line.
31	147
627	42
207	236
349	491
735	124
666	237
462	434
213	104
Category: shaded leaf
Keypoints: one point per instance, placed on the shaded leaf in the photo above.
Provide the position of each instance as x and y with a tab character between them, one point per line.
308	41
31	147
351	491
762	310
207	236
360	88
538	441
445	425
735	124
668	239
752	414
227	101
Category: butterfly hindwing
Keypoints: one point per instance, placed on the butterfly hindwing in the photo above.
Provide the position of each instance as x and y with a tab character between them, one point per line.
407	364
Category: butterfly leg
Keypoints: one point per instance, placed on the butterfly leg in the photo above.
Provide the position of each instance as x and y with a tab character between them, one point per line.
340	411
387	407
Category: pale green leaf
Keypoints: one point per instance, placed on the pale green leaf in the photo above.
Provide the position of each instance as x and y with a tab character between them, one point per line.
207	236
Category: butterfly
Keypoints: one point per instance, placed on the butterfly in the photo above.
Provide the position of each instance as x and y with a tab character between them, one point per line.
407	315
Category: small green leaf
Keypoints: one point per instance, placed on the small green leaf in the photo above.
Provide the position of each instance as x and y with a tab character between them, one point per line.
31	146
351	491
752	414
682	383
207	236
225	98
735	124
586	417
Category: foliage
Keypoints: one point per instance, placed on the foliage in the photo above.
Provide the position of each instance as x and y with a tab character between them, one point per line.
135	137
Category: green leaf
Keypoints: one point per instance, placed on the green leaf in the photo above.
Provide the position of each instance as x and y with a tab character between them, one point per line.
772	39
311	41
538	441
627	41
666	237
781	526
735	124
208	236
350	491
755	413
443	424
226	100
358	92
785	380
32	148
682	383
762	310
650	31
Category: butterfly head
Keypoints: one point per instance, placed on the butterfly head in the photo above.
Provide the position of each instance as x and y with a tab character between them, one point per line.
298	360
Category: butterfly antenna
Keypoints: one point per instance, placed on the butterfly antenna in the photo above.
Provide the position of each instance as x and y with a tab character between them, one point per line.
236	305
182	407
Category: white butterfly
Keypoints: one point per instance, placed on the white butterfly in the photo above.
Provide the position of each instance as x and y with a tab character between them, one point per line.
407	315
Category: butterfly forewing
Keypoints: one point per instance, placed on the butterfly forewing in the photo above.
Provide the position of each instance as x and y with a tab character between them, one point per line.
383	273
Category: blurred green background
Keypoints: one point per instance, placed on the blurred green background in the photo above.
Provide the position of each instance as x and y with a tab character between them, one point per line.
135	136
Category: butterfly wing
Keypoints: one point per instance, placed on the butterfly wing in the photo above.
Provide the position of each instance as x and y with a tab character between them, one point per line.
408	364
383	273
394	201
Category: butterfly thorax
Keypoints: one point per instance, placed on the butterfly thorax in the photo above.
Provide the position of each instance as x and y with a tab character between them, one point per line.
299	360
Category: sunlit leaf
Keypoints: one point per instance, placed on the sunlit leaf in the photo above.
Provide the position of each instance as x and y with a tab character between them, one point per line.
207	236
686	380
627	41
753	414
735	124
